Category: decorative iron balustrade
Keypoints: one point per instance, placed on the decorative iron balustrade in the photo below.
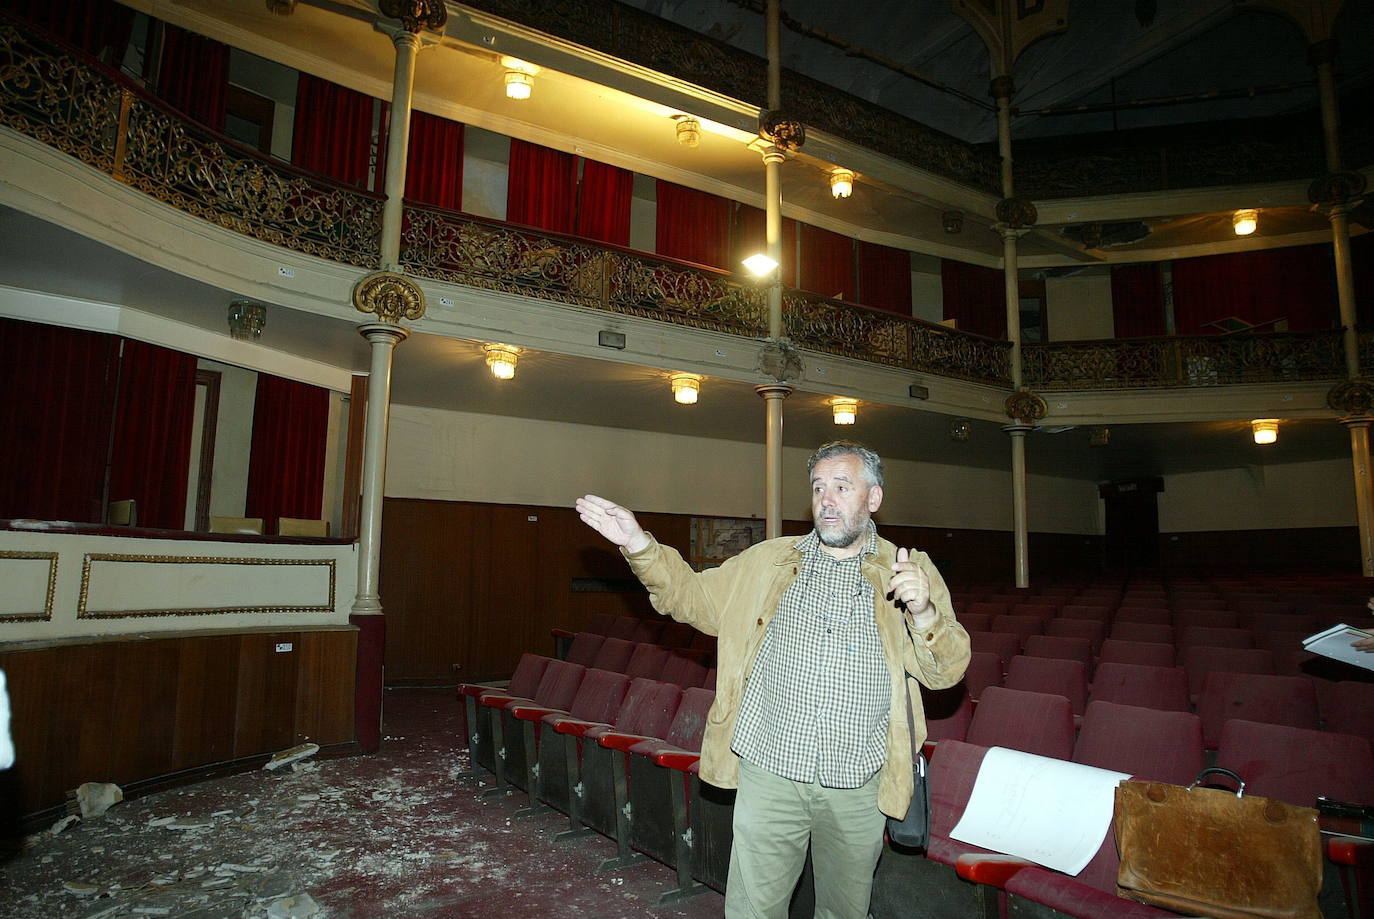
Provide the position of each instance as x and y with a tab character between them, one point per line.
92	114
1205	360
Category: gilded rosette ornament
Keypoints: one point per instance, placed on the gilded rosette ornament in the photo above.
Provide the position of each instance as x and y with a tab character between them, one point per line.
1017	213
390	296
1336	188
785	132
416	15
1351	398
1025	407
781	360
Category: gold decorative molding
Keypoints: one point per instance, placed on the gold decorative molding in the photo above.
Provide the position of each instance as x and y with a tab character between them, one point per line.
390	296
780	360
1336	188
46	615
416	15
1351	398
785	131
1017	212
83	610
1026	407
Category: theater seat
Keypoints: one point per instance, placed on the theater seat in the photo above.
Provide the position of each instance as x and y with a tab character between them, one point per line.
1068	678
1033	722
1151	745
583	648
1160	688
1269	698
524	682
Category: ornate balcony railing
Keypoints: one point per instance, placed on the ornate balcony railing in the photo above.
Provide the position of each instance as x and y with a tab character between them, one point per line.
1205	360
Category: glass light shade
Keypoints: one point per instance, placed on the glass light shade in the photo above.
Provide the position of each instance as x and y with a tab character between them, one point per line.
246	319
845	411
1265	430
1245	221
502	360
686	387
518	85
688	132
760	264
841	183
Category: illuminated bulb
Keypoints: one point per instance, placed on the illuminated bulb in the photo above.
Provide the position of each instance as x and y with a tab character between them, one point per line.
760	264
501	359
841	183
1265	430
686	387
1245	221
518	85
688	131
845	411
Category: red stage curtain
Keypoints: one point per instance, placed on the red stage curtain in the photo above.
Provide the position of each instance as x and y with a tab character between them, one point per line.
333	131
1259	286
434	161
1138	301
751	235
976	297
542	188
692	225
154	416
194	75
59	393
286	460
101	28
827	263
603	206
885	278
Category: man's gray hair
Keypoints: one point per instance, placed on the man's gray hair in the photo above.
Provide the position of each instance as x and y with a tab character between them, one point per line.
872	462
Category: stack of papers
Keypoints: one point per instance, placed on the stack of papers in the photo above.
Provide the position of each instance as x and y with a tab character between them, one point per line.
1336	642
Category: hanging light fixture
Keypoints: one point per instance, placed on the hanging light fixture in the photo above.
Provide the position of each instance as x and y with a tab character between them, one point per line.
1245	221
845	411
246	319
502	360
686	387
760	264
1265	430
519	85
688	130
841	182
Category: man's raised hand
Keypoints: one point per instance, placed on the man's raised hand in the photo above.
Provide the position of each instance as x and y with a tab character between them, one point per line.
613	522
911	588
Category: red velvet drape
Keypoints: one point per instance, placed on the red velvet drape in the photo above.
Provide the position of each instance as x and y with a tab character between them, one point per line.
286	460
434	161
1297	284
333	130
692	225
827	263
58	387
154	417
194	75
1138	301
603	203
751	235
885	278
542	189
975	296
101	28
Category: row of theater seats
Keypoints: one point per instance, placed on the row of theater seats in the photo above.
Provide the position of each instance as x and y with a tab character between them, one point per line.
617	754
657	630
682	666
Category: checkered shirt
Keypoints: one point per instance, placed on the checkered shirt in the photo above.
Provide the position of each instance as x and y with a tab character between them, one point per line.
816	703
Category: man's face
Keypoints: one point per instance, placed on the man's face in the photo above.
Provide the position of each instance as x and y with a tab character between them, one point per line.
842	502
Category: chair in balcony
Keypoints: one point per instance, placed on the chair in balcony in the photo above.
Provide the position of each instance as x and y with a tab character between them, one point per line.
240	526
302	527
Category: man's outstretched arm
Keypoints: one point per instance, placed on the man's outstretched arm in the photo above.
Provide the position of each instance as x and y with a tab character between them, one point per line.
612	521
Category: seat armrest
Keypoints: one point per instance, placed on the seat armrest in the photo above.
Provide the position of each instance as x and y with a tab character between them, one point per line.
993	870
500	700
1351	851
680	760
533	712
475	690
564	724
616	740
561	633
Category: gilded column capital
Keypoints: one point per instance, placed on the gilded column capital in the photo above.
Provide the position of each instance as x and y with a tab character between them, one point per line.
1017	212
781	360
390	296
786	132
1353	400
1336	188
416	15
1025	407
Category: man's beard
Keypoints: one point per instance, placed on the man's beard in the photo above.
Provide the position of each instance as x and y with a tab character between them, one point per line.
843	538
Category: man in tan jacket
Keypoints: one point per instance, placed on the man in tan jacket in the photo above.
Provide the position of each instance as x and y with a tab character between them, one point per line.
818	638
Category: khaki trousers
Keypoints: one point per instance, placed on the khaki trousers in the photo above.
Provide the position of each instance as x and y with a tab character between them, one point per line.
774	820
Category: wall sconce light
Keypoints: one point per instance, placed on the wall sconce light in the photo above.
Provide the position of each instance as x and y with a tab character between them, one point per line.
960	429
688	130
845	411
760	264
1245	221
953	221
502	360
519	85
1099	436
686	387
841	183
246	319
1265	430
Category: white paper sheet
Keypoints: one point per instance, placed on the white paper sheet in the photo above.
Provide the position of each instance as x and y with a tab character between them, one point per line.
1047	811
1336	642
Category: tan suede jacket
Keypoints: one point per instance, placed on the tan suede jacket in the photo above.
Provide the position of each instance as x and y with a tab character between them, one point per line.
736	601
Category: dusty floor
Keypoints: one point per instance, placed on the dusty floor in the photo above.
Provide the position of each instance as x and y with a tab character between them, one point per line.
389	835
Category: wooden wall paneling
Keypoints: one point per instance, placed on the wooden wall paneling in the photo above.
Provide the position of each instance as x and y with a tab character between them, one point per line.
426	587
265	707
143	684
206	696
85	709
324	686
507	612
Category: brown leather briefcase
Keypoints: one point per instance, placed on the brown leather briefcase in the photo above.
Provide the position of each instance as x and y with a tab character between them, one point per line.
1212	852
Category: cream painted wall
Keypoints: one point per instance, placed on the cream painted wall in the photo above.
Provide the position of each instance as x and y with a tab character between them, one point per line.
1079	307
1293	495
927	289
461	456
233	439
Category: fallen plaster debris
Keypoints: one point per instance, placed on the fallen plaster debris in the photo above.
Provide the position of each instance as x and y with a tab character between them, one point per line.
65	822
81	888
95	798
188	823
291	755
300	906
